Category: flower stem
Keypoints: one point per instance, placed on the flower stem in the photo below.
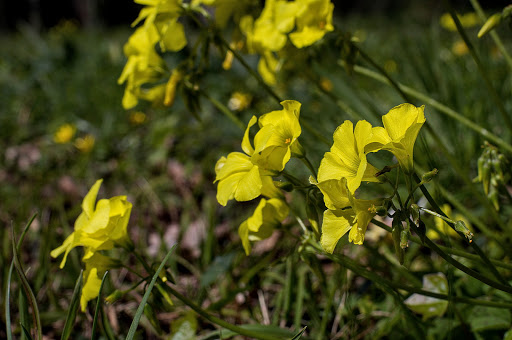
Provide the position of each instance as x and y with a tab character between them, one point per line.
227	112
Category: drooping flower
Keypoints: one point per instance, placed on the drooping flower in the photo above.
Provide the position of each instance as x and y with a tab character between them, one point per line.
278	137
240	178
99	227
347	158
95	268
267	215
313	21
401	127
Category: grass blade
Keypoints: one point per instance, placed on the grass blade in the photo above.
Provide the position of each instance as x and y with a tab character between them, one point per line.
73	307
140	310
299	335
99	306
8	329
26	333
26	287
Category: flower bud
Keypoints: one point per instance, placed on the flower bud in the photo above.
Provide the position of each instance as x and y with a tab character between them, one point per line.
404	239
395	233
427	177
491	23
286	186
460	226
415	212
116	295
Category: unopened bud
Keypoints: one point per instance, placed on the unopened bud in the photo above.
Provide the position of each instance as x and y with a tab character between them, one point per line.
170	88
395	233
404	239
415	212
427	177
491	23
116	295
460	226
286	186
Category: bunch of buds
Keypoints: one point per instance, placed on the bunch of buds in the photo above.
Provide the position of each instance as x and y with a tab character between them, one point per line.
492	173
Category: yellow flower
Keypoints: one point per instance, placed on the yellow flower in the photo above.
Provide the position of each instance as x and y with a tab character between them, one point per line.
347	158
163	15
225	9
240	178
267	215
170	87
138	118
95	268
64	133
239	101
467	20
98	228
313	20
401	127
337	223
278	137
144	66
85	144
460	48
335	192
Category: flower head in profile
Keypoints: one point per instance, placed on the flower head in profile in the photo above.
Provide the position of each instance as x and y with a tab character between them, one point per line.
239	178
267	215
95	268
401	127
100	226
347	158
278	137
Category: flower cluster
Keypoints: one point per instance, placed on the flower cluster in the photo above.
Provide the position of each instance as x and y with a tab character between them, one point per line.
303	21
345	166
100	226
245	176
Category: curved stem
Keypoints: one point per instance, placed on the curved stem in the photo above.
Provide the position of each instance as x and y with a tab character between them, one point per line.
227	112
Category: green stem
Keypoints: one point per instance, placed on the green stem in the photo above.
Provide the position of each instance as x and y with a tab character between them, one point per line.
494	34
249	69
448	250
310	166
483	73
222	108
437	105
216	320
479	251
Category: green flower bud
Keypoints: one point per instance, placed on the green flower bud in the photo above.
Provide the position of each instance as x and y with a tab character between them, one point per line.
395	233
491	23
427	177
404	239
286	186
415	212
460	226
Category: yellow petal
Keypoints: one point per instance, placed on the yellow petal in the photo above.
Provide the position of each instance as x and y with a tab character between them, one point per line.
90	199
336	223
91	288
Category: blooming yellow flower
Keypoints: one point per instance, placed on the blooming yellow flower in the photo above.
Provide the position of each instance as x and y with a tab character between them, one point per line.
240	178
95	268
347	158
162	16
401	127
144	66
313	20
278	137
64	133
98	228
267	215
85	144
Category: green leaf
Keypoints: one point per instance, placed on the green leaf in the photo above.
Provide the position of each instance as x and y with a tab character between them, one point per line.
426	305
184	328
73	308
484	318
99	305
269	331
218	268
26	333
140	309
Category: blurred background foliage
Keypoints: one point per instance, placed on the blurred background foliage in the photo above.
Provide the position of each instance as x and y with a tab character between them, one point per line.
57	72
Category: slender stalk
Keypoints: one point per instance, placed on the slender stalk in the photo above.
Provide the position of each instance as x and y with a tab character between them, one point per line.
310	166
449	250
496	98
437	105
479	251
216	320
222	108
494	35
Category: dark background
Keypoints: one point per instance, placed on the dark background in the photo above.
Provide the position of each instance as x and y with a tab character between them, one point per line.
43	14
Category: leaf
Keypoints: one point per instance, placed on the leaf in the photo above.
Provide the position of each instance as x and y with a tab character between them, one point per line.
184	328
219	267
269	331
299	335
140	309
426	305
484	318
73	307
